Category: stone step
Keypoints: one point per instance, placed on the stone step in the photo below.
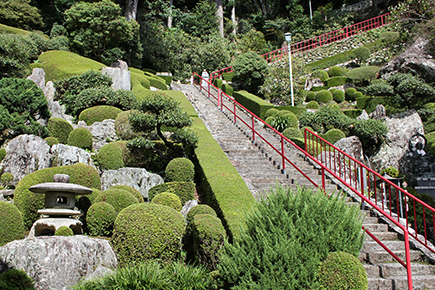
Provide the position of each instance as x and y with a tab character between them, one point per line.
383	236
396	269
372	246
370	220
380	284
426	282
385	257
376	227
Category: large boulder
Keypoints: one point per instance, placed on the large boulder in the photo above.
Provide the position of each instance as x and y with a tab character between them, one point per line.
58	111
26	154
38	77
67	155
102	132
351	146
416	60
120	77
58	262
138	178
49	91
395	153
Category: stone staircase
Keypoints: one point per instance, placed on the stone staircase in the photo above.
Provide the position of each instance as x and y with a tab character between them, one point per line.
261	169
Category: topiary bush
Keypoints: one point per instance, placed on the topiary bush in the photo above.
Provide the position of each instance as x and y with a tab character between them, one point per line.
323	96
321	74
16	279
80	137
100	219
292	132
184	190
64	231
199	209
2	153
338	96
217	83
99	114
273	252
11	223
271	113
312	105
29	203
361	74
111	156
168	199
208	238
122	126
349	94
136	193
341	270
59	129
333	135
250	71
335	71
227	89
284	120
180	169
116	197
269	120
51	141
311	96
147	231
361	54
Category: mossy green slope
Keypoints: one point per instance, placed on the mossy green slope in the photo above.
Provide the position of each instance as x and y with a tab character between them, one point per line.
12	30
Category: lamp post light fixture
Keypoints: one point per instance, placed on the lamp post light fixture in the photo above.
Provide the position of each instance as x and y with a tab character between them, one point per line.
288	38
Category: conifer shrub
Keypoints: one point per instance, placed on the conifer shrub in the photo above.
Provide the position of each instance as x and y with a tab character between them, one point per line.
100	219
180	169
349	94
338	96
51	141
59	129
365	73
321	74
29	203
136	193
98	114
11	223
64	231
111	156
75	84
184	190
273	252
333	135
168	199
208	238
312	105
118	198
292	132
341	270
16	279
352	113
323	97
335	71
271	113
380	88
80	137
147	231
227	89
122	126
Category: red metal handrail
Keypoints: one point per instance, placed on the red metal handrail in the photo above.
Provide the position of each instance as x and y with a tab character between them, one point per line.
319	41
209	90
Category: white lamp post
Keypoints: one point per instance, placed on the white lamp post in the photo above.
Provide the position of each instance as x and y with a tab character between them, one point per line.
288	38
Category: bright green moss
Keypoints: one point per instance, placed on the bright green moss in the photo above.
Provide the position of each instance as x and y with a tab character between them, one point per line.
64	231
99	114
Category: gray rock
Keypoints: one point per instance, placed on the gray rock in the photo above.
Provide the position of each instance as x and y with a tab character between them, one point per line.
188	206
352	146
26	154
102	132
137	178
120	77
316	82
100	271
58	262
67	155
7	192
379	113
38	77
120	64
363	116
49	91
395	152
58	111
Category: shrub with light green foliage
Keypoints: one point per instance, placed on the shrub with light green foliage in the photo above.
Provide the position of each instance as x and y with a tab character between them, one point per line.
336	81
2	153
111	155
136	193
6	178
116	197
11	223
228	89
51	141
100	219
16	279
340	271
333	135
168	199
361	54
338	96
365	73
391	171
147	231
98	114
80	137
335	71
324	96
292	132
311	96
349	94
122	126
180	169
284	120
321	74
312	105
250	71
380	88
184	190
263	259
271	113
59	129
29	202
390	37
64	231
73	85
269	120
199	209
217	83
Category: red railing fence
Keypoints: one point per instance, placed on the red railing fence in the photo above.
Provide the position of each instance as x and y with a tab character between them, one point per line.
319	41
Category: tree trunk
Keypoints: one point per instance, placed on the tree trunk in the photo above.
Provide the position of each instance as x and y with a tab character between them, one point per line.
131	9
220	16
170	14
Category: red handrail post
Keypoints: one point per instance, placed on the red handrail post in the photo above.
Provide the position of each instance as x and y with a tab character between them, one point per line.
221	102
235	114
253	128
282	154
219	96
208	85
323	178
408	260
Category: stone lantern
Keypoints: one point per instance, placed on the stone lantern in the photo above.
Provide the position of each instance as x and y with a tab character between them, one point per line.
60	200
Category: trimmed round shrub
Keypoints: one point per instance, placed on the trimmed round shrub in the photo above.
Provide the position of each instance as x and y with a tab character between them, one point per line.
180	169
292	132
199	209
321	74
122	126
338	96
51	141
111	155
361	54
136	193
6	178
100	219
311	96
116	197
358	95
341	270
99	114
29	202
312	105
390	37
269	120
80	137
271	113
168	199
64	231
11	223
333	135
227	89
365	73
84	202
323	96
208	238
16	279
147	231
349	94
184	190
335	71
60	129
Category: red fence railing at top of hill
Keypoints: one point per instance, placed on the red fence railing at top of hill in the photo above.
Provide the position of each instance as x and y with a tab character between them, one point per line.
346	173
319	41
